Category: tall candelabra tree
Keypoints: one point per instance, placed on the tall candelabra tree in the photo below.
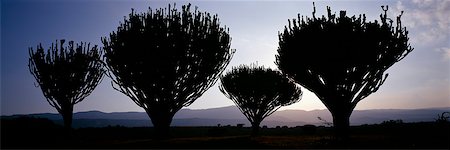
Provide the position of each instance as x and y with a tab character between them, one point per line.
258	92
166	59
341	59
66	75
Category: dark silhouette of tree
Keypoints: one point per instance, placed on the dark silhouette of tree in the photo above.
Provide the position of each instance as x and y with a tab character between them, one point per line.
443	117
66	75
341	59
166	59
258	92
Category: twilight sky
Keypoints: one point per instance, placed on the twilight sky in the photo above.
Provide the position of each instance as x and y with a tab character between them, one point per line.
421	80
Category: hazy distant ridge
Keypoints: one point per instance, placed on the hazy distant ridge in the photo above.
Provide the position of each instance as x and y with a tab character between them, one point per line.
231	116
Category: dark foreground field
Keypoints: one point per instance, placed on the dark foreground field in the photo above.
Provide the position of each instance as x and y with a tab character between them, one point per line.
42	133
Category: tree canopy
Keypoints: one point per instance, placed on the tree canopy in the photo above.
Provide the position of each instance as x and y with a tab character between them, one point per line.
258	91
165	59
66	74
339	58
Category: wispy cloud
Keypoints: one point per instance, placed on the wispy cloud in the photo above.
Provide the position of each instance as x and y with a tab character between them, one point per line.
430	21
446	52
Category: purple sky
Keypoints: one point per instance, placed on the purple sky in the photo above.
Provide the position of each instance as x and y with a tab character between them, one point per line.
421	80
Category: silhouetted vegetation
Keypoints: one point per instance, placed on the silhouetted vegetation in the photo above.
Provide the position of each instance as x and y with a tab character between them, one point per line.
390	122
325	122
26	132
165	59
443	117
66	75
258	92
341	59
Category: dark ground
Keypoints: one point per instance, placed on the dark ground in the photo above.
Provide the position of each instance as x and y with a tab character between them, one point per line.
43	133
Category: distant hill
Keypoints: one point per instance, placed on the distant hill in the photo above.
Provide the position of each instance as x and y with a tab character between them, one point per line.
231	115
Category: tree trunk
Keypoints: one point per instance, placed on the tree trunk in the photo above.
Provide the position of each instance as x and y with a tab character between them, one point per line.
255	128
341	123
161	124
67	115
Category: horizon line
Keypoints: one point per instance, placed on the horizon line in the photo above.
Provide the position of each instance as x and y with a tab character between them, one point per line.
445	107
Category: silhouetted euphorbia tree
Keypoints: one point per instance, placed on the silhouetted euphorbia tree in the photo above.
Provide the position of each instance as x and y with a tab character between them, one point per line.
66	75
258	92
341	59
166	59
